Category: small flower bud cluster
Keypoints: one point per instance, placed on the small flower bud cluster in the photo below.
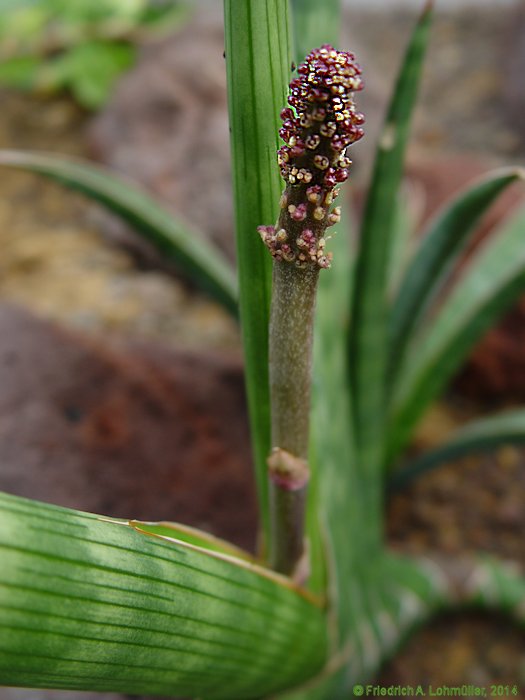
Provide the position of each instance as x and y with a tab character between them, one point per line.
316	132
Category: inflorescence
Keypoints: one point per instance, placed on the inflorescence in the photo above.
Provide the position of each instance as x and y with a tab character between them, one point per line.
319	125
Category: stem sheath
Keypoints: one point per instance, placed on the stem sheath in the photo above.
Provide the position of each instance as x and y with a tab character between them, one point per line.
291	337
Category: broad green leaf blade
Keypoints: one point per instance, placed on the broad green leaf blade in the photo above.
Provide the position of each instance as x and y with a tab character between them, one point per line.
368	333
479	436
258	67
314	23
437	255
495	278
91	604
197	259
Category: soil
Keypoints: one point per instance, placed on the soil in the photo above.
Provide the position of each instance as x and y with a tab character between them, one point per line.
123	430
105	415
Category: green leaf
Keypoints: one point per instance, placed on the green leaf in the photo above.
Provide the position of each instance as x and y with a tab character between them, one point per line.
336	509
437	255
404	227
481	435
163	17
337	482
498	587
197	259
480	582
258	66
89	603
367	346
92	68
314	23
19	72
191	535
494	279
86	12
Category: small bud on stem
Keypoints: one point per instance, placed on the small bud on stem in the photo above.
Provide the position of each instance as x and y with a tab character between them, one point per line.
318	126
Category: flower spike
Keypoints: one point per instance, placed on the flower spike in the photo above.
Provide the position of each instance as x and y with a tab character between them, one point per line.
317	127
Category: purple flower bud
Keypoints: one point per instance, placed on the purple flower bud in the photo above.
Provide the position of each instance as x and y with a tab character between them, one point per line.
287	113
298	213
330	179
317	127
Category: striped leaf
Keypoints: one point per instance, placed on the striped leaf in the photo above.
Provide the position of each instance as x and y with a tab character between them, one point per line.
197	259
89	603
479	436
368	335
437	256
258	61
493	280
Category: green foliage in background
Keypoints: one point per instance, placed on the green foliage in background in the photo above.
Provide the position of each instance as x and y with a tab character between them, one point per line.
94	603
77	45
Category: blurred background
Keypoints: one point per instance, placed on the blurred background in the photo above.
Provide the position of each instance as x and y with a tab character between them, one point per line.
111	366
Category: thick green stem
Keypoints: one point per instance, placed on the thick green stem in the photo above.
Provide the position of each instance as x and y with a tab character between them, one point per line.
291	337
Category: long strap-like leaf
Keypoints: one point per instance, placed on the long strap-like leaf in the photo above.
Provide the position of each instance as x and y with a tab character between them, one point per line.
494	279
197	259
368	332
258	61
437	255
479	436
92	604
